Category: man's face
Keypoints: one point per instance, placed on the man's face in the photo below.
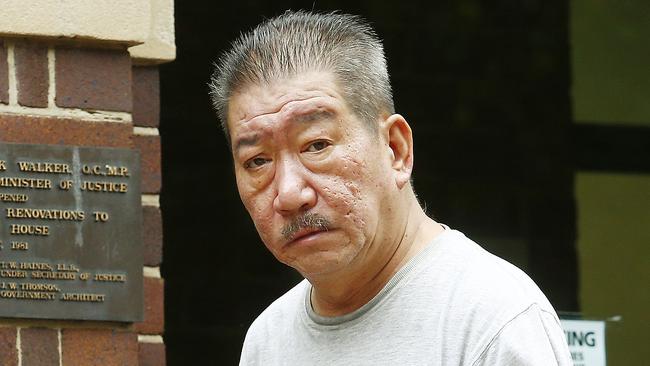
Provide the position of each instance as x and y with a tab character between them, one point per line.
312	176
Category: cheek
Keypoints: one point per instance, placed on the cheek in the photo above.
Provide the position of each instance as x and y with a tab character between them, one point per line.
251	191
260	208
343	179
254	182
347	190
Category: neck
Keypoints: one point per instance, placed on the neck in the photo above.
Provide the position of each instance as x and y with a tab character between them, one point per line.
342	293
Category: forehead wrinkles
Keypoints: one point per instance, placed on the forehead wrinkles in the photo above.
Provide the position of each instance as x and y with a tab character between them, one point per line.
301	110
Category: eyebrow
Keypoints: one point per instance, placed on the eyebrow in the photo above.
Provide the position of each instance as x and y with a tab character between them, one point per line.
308	117
313	116
246	141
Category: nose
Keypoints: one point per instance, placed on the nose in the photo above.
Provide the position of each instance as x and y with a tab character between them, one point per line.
294	192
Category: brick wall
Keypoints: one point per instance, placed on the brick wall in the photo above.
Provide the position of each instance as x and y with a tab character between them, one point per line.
87	96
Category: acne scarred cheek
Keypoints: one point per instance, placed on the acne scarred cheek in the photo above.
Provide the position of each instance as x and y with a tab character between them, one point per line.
258	183
252	182
258	202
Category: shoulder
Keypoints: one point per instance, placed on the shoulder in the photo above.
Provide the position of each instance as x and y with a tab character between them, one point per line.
533	337
277	321
485	280
486	296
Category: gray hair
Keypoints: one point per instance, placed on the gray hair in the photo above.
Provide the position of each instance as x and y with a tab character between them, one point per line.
298	42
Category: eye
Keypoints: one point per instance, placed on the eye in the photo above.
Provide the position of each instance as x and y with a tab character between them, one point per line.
255	163
317	146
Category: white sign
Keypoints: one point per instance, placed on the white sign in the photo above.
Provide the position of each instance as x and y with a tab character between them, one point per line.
586	340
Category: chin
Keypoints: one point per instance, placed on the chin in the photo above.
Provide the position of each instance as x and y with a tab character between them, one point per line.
321	263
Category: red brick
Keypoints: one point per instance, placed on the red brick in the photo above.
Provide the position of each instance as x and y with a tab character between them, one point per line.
105	347
152	235
146	96
40	347
63	131
93	79
4	75
8	354
154	309
32	76
152	354
149	147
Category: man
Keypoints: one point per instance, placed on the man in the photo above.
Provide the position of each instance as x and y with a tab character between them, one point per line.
323	166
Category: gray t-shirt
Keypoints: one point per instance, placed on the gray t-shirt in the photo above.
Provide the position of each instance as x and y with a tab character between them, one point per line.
452	304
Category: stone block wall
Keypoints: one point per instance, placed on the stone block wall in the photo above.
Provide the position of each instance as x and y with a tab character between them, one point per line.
87	95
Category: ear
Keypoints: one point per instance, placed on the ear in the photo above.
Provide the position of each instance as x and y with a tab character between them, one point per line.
400	144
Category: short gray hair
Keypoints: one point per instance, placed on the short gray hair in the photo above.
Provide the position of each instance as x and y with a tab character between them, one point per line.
298	42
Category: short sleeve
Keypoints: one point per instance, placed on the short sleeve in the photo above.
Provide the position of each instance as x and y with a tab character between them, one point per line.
532	338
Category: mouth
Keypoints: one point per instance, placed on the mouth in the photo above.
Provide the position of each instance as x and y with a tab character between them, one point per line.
304	236
305	228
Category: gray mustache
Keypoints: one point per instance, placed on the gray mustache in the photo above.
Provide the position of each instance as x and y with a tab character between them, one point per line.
305	221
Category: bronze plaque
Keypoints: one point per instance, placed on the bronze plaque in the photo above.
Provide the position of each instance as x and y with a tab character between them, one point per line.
70	224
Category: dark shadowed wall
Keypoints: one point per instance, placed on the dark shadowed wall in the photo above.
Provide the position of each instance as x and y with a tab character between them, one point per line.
485	86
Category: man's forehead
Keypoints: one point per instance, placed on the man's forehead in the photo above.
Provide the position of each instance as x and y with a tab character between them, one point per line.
258	99
295	109
295	113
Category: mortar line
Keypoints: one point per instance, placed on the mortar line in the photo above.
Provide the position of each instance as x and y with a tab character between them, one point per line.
151	272
11	65
146	131
60	347
150	200
146	338
19	348
90	115
51	67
